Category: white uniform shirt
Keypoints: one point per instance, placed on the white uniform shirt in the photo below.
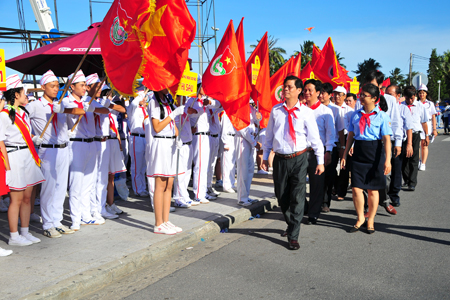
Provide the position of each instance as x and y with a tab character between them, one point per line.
305	126
429	105
13	136
325	124
335	110
40	112
228	131
344	109
185	132
112	116
155	110
86	127
199	120
214	121
136	115
419	115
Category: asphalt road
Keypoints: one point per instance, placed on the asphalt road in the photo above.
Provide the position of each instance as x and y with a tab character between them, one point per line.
406	258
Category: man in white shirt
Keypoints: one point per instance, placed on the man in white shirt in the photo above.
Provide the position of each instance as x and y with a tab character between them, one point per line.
291	127
228	137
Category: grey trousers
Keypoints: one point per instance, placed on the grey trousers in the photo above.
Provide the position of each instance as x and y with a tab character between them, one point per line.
316	187
289	178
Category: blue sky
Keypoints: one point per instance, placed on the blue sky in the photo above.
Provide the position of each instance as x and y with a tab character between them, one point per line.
387	31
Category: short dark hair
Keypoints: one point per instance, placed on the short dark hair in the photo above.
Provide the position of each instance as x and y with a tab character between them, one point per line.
409	91
317	84
379	76
298	81
327	88
351	95
398	90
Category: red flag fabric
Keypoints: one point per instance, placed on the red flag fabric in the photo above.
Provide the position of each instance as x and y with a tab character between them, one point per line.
166	38
240	39
326	69
258	73
316	54
225	79
276	82
306	72
121	50
387	82
296	66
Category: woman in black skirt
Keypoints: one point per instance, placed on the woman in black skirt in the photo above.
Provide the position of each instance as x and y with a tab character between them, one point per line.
370	130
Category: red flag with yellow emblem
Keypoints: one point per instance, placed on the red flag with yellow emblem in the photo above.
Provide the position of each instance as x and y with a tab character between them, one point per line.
258	73
276	82
326	68
306	72
225	80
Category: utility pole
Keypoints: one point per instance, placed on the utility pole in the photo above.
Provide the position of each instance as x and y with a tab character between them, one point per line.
410	69
439	91
90	9
200	42
56	16
215	29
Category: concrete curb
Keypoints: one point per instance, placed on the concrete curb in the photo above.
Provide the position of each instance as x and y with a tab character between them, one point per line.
94	279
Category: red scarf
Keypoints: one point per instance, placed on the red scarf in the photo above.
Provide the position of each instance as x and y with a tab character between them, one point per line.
55	117
315	105
365	120
112	125
201	101
80	105
291	123
25	131
409	106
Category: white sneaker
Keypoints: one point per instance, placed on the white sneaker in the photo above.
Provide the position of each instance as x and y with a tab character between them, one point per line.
172	209
212	192
164	229
263	172
19	241
37	201
244	203
75	226
195	202
31	238
99	217
182	204
4	252
89	222
3	207
35	218
176	228
420	163
52	233
422	167
230	191
64	230
114	208
203	201
219	183
106	215
209	197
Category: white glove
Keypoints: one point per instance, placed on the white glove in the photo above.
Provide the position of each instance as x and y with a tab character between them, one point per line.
177	112
105	102
57	108
71	134
8	177
179	143
37	140
88	107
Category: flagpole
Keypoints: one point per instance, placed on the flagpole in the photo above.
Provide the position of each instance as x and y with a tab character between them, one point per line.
69	83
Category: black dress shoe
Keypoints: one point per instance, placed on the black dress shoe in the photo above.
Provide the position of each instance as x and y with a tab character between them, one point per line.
294	245
411	188
370	230
312	220
284	234
354	229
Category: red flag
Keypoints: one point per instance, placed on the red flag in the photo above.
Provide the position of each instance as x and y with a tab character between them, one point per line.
316	54
326	69
276	82
387	82
306	73
258	73
121	50
240	39
343	79
296	66
225	80
166	38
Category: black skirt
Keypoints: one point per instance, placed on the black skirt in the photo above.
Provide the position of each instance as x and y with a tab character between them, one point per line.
368	165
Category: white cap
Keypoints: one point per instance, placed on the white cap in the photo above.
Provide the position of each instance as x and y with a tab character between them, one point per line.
13	82
423	87
340	89
91	79
79	77
49	76
199	79
105	87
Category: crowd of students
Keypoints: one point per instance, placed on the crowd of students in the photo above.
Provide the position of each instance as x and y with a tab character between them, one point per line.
91	134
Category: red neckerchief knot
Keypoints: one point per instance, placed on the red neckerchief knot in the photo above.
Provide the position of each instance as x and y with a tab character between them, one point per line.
291	115
80	105
365	120
315	105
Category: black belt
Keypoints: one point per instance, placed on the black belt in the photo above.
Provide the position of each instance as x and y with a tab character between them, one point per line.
60	146
15	148
231	134
201	133
112	138
164	137
102	139
188	143
214	135
89	140
138	134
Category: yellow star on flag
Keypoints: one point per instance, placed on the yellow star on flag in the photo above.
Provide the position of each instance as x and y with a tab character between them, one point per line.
228	60
152	27
125	23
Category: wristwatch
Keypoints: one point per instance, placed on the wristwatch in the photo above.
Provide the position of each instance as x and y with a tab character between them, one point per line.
343	147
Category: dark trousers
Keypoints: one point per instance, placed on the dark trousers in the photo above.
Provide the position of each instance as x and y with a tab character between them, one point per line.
344	175
393	181
445	125
316	187
289	178
410	165
330	176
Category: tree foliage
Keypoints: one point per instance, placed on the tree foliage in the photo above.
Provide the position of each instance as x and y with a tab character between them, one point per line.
276	59
435	73
397	78
365	68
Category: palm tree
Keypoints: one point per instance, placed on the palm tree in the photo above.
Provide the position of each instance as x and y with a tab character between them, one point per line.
276	59
306	50
366	67
397	77
340	59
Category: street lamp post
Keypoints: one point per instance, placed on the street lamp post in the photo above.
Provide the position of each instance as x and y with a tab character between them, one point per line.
215	34
439	91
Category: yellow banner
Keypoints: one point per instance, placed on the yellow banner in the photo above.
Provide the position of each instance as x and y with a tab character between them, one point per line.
255	70
354	86
2	71
188	83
